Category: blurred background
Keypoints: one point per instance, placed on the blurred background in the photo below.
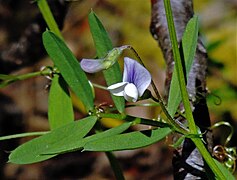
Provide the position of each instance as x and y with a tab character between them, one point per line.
23	105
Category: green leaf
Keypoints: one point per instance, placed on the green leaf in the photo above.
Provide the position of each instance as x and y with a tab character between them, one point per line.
189	44
60	110
74	144
103	44
100	37
32	151
69	68
128	141
224	171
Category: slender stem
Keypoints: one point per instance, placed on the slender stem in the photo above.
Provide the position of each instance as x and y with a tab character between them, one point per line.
23	135
45	72
188	111
112	159
27	76
14	78
143	105
99	86
48	17
115	166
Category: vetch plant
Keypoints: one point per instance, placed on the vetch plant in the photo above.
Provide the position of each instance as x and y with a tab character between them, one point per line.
67	135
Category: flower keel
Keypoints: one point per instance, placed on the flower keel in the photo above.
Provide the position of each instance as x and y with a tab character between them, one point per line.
131	92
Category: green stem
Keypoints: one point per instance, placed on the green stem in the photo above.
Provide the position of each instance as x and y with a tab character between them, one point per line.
14	78
112	159
115	166
99	86
142	105
26	76
48	17
188	111
23	135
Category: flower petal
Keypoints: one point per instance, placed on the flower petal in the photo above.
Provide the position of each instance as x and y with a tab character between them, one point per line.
131	92
135	73
118	88
92	65
96	65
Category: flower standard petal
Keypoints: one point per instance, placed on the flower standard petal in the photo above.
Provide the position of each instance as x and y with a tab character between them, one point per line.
135	73
131	92
128	70
92	65
118	88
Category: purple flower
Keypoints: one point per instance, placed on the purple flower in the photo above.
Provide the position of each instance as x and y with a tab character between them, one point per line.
96	65
93	65
136	80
